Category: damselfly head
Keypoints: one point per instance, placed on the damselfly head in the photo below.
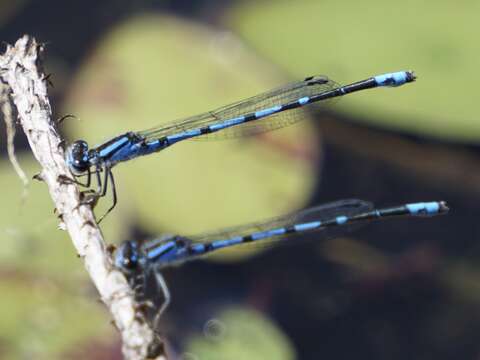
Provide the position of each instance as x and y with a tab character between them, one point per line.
126	256
77	157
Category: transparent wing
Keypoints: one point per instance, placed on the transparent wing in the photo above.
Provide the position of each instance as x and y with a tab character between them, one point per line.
282	95
348	207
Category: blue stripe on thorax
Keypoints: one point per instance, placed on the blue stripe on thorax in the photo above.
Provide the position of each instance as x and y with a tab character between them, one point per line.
138	149
161	249
105	152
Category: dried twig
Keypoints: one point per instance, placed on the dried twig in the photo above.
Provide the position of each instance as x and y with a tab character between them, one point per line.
20	70
7	111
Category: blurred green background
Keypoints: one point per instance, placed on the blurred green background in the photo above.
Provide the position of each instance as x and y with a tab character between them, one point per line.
401	289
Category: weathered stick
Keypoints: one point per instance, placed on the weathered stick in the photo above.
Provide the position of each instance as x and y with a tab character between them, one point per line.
20	71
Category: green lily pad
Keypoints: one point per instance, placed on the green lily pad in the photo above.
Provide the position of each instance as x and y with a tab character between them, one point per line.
41	320
239	333
351	40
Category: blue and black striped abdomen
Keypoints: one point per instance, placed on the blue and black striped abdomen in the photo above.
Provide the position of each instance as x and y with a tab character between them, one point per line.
329	220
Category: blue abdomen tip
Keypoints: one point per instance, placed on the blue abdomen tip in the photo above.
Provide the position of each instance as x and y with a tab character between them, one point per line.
424	208
395	79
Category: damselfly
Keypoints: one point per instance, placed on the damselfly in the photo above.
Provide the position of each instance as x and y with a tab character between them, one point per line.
139	260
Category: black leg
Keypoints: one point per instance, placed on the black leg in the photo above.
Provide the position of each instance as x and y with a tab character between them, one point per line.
89	197
105	181
89	178
114	189
109	177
